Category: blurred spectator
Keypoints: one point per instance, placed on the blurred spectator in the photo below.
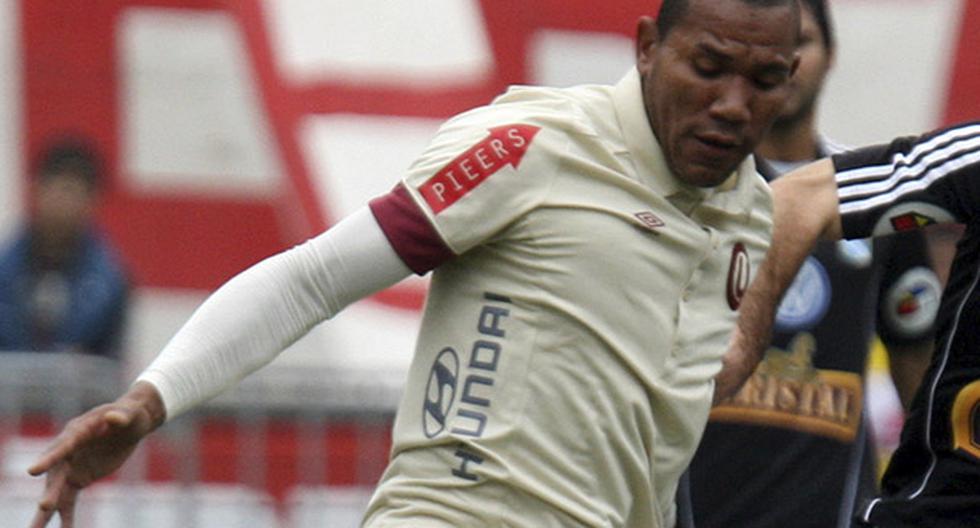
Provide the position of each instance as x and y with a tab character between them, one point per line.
62	286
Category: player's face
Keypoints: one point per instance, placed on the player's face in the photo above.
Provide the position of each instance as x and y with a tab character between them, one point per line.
815	62
714	84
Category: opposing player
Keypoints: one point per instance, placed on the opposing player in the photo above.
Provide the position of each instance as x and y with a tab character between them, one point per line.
590	247
933	478
801	417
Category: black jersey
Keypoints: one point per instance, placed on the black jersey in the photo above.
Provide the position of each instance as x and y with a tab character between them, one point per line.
792	447
933	479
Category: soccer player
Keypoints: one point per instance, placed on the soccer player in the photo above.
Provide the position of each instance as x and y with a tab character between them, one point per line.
591	247
801	415
933	478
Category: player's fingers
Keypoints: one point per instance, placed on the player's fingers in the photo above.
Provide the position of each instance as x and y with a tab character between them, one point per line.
54	486
64	506
120	417
66	510
41	518
48	505
55	454
76	432
67	518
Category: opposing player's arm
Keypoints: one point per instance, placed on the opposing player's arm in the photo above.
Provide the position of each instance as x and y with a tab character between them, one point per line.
805	210
907	364
908	302
935	172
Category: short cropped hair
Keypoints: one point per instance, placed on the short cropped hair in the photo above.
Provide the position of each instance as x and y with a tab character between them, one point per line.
821	12
672	11
70	154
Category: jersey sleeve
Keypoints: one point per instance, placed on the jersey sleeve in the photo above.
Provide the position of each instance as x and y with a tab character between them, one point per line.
911	182
908	299
482	171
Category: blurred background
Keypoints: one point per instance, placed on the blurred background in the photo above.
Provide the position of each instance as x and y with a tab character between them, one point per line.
231	130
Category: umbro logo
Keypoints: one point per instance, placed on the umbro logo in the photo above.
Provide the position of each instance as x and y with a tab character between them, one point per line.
649	220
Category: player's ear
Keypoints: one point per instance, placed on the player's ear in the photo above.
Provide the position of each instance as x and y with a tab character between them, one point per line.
647	38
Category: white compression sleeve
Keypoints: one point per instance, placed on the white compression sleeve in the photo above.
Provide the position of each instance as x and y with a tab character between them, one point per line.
247	322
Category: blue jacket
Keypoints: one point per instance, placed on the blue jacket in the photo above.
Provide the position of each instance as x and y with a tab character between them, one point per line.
97	291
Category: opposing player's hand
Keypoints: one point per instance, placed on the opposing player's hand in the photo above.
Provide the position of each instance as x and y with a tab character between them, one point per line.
737	365
92	446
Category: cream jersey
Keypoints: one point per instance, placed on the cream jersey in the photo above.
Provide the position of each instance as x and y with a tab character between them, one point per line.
581	301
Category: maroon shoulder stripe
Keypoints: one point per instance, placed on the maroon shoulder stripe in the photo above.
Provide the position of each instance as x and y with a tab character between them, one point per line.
409	231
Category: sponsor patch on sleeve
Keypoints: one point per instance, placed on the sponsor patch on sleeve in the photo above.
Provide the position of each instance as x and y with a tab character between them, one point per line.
504	145
807	300
912	220
912	302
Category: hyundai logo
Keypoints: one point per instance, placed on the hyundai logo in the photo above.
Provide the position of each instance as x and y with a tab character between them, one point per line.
440	392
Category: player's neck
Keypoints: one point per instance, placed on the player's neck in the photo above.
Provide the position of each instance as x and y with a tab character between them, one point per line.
795	140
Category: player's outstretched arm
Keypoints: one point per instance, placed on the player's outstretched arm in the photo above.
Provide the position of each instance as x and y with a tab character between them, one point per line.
92	446
805	210
244	325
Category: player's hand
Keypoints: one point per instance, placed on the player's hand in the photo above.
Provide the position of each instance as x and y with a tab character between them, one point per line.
735	370
92	446
739	362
